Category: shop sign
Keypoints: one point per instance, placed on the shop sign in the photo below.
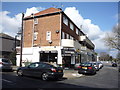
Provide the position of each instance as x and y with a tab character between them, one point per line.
66	54
69	52
47	48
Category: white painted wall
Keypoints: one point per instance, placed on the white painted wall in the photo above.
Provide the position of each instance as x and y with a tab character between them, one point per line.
29	54
77	45
32	54
67	43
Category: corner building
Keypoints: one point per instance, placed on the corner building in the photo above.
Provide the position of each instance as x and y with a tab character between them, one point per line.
51	36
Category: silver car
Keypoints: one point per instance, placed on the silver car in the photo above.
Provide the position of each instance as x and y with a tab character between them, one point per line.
5	64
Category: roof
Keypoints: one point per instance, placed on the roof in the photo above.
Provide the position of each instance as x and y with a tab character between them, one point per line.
46	11
3	35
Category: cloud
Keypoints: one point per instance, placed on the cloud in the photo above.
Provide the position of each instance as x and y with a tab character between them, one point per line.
11	25
93	31
74	15
33	10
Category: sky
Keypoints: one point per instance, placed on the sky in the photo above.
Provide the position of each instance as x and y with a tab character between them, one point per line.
96	18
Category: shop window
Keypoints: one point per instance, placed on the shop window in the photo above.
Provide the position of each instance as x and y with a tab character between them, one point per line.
48	57
65	20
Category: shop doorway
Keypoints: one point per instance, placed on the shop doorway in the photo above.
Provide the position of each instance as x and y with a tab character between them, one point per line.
67	61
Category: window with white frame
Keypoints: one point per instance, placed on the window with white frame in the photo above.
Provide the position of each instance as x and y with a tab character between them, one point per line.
67	36
35	35
63	35
65	20
71	26
71	37
48	35
80	33
35	20
77	31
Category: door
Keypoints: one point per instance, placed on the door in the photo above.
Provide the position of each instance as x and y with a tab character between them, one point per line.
67	60
31	69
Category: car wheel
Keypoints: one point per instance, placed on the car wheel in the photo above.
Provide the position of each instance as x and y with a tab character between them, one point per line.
45	76
20	73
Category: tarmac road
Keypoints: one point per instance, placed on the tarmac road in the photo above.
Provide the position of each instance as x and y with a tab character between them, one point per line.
106	78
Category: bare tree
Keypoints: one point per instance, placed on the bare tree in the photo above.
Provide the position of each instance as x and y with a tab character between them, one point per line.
112	40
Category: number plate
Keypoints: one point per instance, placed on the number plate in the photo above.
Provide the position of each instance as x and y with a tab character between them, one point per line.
84	67
59	71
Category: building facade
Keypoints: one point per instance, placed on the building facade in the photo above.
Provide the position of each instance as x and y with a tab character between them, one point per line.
51	36
7	45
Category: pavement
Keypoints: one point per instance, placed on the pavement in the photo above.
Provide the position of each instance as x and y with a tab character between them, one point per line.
71	73
68	73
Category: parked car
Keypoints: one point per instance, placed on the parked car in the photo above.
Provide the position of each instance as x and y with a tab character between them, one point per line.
96	65
76	66
114	64
100	64
119	68
43	70
5	64
86	68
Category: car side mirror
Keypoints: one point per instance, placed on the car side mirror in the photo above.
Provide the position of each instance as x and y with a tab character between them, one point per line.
28	66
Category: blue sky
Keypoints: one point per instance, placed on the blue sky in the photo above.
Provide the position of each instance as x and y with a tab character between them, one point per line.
98	17
101	13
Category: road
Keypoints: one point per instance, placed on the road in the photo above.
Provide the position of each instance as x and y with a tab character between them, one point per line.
106	78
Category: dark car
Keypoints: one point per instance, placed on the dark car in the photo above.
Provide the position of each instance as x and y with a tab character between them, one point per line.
86	68
96	65
45	71
114	64
76	66
119	68
5	64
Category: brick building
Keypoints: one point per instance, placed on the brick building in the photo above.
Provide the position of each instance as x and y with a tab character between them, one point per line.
51	36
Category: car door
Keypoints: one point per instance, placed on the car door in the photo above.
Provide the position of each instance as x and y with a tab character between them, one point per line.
31	69
40	69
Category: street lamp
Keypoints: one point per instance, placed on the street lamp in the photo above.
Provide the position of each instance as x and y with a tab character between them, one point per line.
21	42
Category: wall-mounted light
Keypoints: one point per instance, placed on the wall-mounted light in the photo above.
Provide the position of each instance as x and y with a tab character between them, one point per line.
57	31
50	42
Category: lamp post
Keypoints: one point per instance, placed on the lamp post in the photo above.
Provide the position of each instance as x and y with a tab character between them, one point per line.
21	43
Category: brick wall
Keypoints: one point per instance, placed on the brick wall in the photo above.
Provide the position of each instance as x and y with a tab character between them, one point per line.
46	23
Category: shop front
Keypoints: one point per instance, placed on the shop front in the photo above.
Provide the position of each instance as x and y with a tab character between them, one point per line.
68	57
48	56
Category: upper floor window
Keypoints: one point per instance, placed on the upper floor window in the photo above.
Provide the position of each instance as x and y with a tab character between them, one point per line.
65	20
35	35
77	31
71	37
48	35
35	20
71	26
80	33
68	36
63	35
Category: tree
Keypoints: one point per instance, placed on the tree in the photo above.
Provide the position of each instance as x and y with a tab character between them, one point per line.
12	57
105	57
112	40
